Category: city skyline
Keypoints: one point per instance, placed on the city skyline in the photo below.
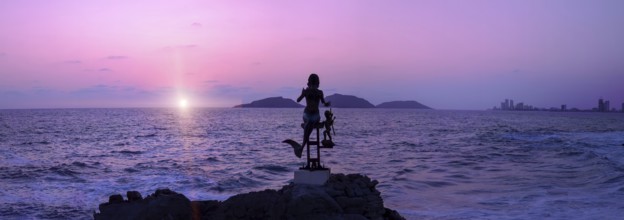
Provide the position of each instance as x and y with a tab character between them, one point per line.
445	54
603	106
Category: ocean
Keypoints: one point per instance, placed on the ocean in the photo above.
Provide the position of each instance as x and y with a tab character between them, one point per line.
431	164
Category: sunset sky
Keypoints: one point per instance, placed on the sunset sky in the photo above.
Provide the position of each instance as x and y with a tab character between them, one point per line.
444	54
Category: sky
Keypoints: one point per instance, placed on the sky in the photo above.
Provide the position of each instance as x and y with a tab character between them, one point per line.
444	54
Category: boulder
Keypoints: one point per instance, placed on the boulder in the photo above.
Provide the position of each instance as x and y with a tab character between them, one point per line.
133	196
117	198
163	204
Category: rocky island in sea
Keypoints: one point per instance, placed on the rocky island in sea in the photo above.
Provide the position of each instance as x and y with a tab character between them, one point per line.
351	196
337	100
273	102
348	101
403	104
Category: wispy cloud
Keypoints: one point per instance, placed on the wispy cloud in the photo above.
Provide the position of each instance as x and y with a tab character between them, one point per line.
105	70
113	91
189	46
196	25
180	47
2	54
73	62
116	57
230	90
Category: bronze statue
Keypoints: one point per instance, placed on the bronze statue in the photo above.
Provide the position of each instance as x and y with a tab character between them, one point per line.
311	115
329	126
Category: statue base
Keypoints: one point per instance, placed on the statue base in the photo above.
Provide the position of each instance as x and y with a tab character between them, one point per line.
311	177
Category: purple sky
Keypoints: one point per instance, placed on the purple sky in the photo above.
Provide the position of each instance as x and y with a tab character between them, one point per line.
445	54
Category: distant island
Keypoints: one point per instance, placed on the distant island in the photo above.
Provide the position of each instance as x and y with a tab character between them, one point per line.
273	102
348	101
403	104
337	101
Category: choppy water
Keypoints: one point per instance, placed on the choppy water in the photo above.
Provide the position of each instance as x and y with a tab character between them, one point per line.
431	164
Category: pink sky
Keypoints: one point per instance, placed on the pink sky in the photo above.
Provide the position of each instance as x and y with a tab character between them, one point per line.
445	54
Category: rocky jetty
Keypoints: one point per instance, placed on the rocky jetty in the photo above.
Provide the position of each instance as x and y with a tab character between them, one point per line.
350	196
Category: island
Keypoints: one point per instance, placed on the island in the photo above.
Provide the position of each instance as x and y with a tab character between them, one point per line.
348	101
273	102
403	104
352	196
337	101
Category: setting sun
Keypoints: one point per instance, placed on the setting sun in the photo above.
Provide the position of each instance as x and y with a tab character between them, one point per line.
183	103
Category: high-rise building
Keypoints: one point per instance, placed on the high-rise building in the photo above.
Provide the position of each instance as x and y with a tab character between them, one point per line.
506	104
564	108
607	106
511	105
600	105
622	106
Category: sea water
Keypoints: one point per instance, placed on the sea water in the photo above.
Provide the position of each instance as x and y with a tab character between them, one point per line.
431	164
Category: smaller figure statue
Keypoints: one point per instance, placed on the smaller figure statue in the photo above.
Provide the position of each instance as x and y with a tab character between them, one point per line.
329	125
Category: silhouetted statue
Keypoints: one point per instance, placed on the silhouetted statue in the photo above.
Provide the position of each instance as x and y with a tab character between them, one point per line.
311	115
329	125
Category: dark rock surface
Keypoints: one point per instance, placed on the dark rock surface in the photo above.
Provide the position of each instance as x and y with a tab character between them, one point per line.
163	204
348	101
350	196
273	102
403	104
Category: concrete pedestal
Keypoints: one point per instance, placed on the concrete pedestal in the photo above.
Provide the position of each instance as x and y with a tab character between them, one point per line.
315	177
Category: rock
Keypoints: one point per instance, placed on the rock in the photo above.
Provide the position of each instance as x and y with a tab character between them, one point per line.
373	184
308	200
133	196
265	204
117	198
392	215
163	204
206	209
350	196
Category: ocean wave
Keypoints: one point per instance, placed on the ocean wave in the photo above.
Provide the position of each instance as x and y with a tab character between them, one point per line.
235	183
273	168
127	152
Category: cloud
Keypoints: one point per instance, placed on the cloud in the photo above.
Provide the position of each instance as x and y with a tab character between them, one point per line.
211	81
113	92
180	47
230	90
105	70
196	25
189	46
2	54
73	62
115	57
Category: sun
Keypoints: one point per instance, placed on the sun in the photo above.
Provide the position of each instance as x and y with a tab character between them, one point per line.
183	103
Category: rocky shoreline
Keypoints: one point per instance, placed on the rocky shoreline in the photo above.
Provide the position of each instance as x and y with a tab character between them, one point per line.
351	196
